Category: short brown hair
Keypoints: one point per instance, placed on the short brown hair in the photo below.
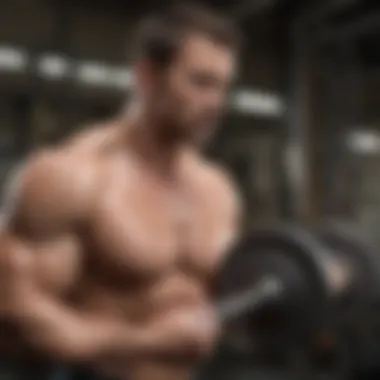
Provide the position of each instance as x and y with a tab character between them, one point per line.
159	36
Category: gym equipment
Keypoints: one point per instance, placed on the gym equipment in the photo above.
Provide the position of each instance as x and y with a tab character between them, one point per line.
275	280
291	284
351	245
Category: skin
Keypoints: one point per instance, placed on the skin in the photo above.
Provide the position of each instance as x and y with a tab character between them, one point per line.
111	243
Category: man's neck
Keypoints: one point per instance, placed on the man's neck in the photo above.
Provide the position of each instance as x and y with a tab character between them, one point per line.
162	153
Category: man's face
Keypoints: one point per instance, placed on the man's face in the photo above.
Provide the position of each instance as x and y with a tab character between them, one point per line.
190	95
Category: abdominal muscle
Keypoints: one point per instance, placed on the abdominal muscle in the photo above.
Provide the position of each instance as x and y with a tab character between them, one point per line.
145	305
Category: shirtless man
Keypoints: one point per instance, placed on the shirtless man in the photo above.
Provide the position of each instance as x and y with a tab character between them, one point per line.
113	240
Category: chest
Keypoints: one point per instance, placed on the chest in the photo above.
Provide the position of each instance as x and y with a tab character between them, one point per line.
144	228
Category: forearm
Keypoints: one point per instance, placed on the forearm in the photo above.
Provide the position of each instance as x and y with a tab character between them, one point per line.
59	332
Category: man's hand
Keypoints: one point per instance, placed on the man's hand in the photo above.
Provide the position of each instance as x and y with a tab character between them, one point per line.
192	332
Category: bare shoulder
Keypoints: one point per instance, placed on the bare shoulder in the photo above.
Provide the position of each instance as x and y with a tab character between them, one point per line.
52	186
94	138
222	186
70	169
221	192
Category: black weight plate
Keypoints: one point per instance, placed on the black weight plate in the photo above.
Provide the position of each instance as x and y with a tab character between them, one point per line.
350	243
296	258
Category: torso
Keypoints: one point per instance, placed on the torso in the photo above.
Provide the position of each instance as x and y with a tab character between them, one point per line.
158	251
150	248
155	250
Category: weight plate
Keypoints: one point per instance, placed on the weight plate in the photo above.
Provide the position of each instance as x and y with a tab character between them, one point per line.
295	257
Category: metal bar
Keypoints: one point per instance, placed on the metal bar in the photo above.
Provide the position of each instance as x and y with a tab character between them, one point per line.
267	289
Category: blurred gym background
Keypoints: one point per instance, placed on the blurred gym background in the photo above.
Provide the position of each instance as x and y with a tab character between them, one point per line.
302	133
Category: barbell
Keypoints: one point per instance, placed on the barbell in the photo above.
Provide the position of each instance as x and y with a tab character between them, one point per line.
294	283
